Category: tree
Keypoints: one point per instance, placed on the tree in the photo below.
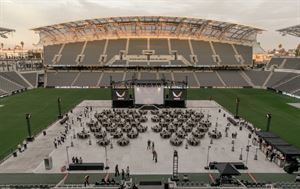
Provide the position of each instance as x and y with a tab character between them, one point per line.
280	46
282	52
2	45
298	50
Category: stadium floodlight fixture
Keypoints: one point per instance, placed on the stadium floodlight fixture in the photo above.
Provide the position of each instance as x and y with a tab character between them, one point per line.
237	108
207	160
59	108
269	117
28	117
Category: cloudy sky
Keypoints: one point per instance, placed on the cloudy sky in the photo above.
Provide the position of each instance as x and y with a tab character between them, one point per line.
266	14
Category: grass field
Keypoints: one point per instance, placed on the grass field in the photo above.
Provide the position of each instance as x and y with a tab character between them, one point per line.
42	104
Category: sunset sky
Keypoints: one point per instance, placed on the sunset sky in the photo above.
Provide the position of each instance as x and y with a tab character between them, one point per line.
265	14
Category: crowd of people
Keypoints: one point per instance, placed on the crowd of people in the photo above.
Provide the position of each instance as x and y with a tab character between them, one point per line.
76	160
61	138
124	175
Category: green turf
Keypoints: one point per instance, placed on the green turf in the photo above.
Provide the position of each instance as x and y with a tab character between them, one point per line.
42	104
255	104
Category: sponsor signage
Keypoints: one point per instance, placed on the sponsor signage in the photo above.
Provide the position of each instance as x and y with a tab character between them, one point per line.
120	94
177	94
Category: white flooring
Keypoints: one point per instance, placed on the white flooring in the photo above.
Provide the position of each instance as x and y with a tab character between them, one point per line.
135	155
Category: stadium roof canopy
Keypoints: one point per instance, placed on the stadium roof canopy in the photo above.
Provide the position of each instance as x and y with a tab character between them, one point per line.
146	26
292	30
4	31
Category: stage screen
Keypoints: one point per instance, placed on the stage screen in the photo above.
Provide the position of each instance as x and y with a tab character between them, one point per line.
149	95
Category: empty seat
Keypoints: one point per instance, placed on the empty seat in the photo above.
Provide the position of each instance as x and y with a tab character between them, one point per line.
226	53
87	79
208	79
233	78
148	75
165	75
182	47
136	46
114	47
275	62
92	52
105	80
246	52
49	52
31	77
292	63
160	46
257	77
203	52
60	79
70	53
14	77
181	76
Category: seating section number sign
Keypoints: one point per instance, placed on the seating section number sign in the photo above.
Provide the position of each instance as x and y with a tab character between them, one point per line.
120	94
177	94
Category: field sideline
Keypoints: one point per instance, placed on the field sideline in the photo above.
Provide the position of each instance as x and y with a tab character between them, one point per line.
42	104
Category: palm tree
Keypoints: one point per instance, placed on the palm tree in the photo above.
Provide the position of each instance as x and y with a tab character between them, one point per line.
22	45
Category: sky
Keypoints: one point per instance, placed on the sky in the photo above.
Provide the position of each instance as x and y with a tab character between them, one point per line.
270	15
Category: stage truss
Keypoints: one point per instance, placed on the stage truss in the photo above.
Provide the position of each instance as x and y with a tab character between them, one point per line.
124	93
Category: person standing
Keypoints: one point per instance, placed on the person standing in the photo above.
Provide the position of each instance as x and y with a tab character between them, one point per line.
127	172
123	174
86	180
117	173
148	144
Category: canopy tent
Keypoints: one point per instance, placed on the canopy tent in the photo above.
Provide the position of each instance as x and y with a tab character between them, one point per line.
227	169
288	150
266	134
276	142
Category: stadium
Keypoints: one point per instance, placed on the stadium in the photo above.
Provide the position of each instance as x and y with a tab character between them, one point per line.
169	102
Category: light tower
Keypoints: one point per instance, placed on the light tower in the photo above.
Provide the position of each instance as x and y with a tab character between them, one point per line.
175	176
30	137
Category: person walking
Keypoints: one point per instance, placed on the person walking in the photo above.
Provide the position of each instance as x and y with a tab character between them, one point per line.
148	144
152	145
117	173
154	156
86	180
127	172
